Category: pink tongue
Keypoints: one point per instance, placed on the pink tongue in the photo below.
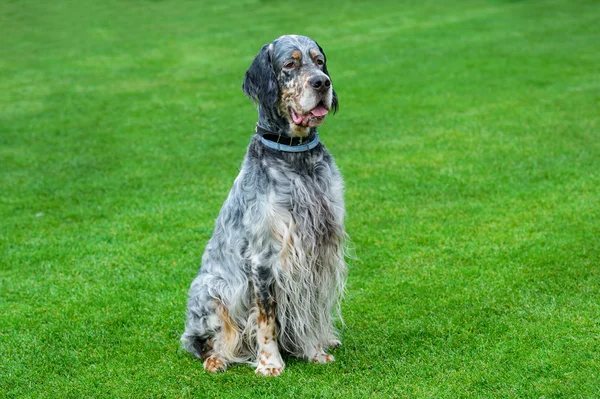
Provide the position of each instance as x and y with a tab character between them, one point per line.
319	111
297	118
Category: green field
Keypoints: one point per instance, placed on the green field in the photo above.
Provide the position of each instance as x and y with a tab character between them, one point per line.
468	135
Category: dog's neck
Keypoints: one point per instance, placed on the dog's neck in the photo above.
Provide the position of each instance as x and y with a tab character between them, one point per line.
286	144
271	120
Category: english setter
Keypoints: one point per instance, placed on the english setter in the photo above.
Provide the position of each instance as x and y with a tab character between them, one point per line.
273	272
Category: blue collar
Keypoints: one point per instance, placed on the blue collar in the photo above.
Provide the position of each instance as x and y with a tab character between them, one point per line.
274	141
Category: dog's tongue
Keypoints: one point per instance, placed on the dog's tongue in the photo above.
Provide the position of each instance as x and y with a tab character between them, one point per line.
297	118
319	111
301	119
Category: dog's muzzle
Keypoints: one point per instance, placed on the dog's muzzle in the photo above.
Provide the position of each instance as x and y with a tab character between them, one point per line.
321	83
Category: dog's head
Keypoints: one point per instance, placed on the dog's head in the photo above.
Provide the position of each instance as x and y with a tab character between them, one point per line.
288	79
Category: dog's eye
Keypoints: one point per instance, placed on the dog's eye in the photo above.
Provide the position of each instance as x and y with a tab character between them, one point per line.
320	62
289	64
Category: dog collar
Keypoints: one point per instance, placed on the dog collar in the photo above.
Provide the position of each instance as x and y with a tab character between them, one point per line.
284	143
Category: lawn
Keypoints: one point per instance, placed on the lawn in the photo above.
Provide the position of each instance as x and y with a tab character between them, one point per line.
468	135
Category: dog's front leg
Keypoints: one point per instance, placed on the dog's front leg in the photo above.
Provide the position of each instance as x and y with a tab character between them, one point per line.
269	359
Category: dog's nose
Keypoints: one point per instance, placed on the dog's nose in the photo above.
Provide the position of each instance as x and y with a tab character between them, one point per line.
320	83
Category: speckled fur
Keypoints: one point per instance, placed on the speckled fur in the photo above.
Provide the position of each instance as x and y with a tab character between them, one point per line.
273	273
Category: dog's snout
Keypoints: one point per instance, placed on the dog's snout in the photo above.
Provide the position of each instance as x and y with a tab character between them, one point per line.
320	82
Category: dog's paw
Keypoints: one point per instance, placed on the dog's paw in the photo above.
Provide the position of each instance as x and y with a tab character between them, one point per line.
214	364
269	370
323	358
334	343
269	364
317	354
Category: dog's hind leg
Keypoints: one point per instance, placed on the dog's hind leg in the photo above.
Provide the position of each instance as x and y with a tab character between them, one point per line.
210	333
201	326
219	344
227	343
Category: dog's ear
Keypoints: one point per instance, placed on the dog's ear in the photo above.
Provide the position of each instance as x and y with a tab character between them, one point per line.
260	83
324	59
334	99
334	102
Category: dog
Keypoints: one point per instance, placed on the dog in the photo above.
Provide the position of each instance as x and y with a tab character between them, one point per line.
273	272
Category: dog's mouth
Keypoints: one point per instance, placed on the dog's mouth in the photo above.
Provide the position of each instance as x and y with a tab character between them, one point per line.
315	117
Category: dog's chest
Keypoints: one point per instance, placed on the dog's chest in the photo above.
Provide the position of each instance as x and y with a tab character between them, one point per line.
310	186
306	203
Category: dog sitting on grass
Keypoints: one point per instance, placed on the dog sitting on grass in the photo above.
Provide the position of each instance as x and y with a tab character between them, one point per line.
273	272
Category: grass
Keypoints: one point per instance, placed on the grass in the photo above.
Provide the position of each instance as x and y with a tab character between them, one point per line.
468	137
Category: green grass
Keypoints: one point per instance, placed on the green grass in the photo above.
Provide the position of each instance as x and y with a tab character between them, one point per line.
469	138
